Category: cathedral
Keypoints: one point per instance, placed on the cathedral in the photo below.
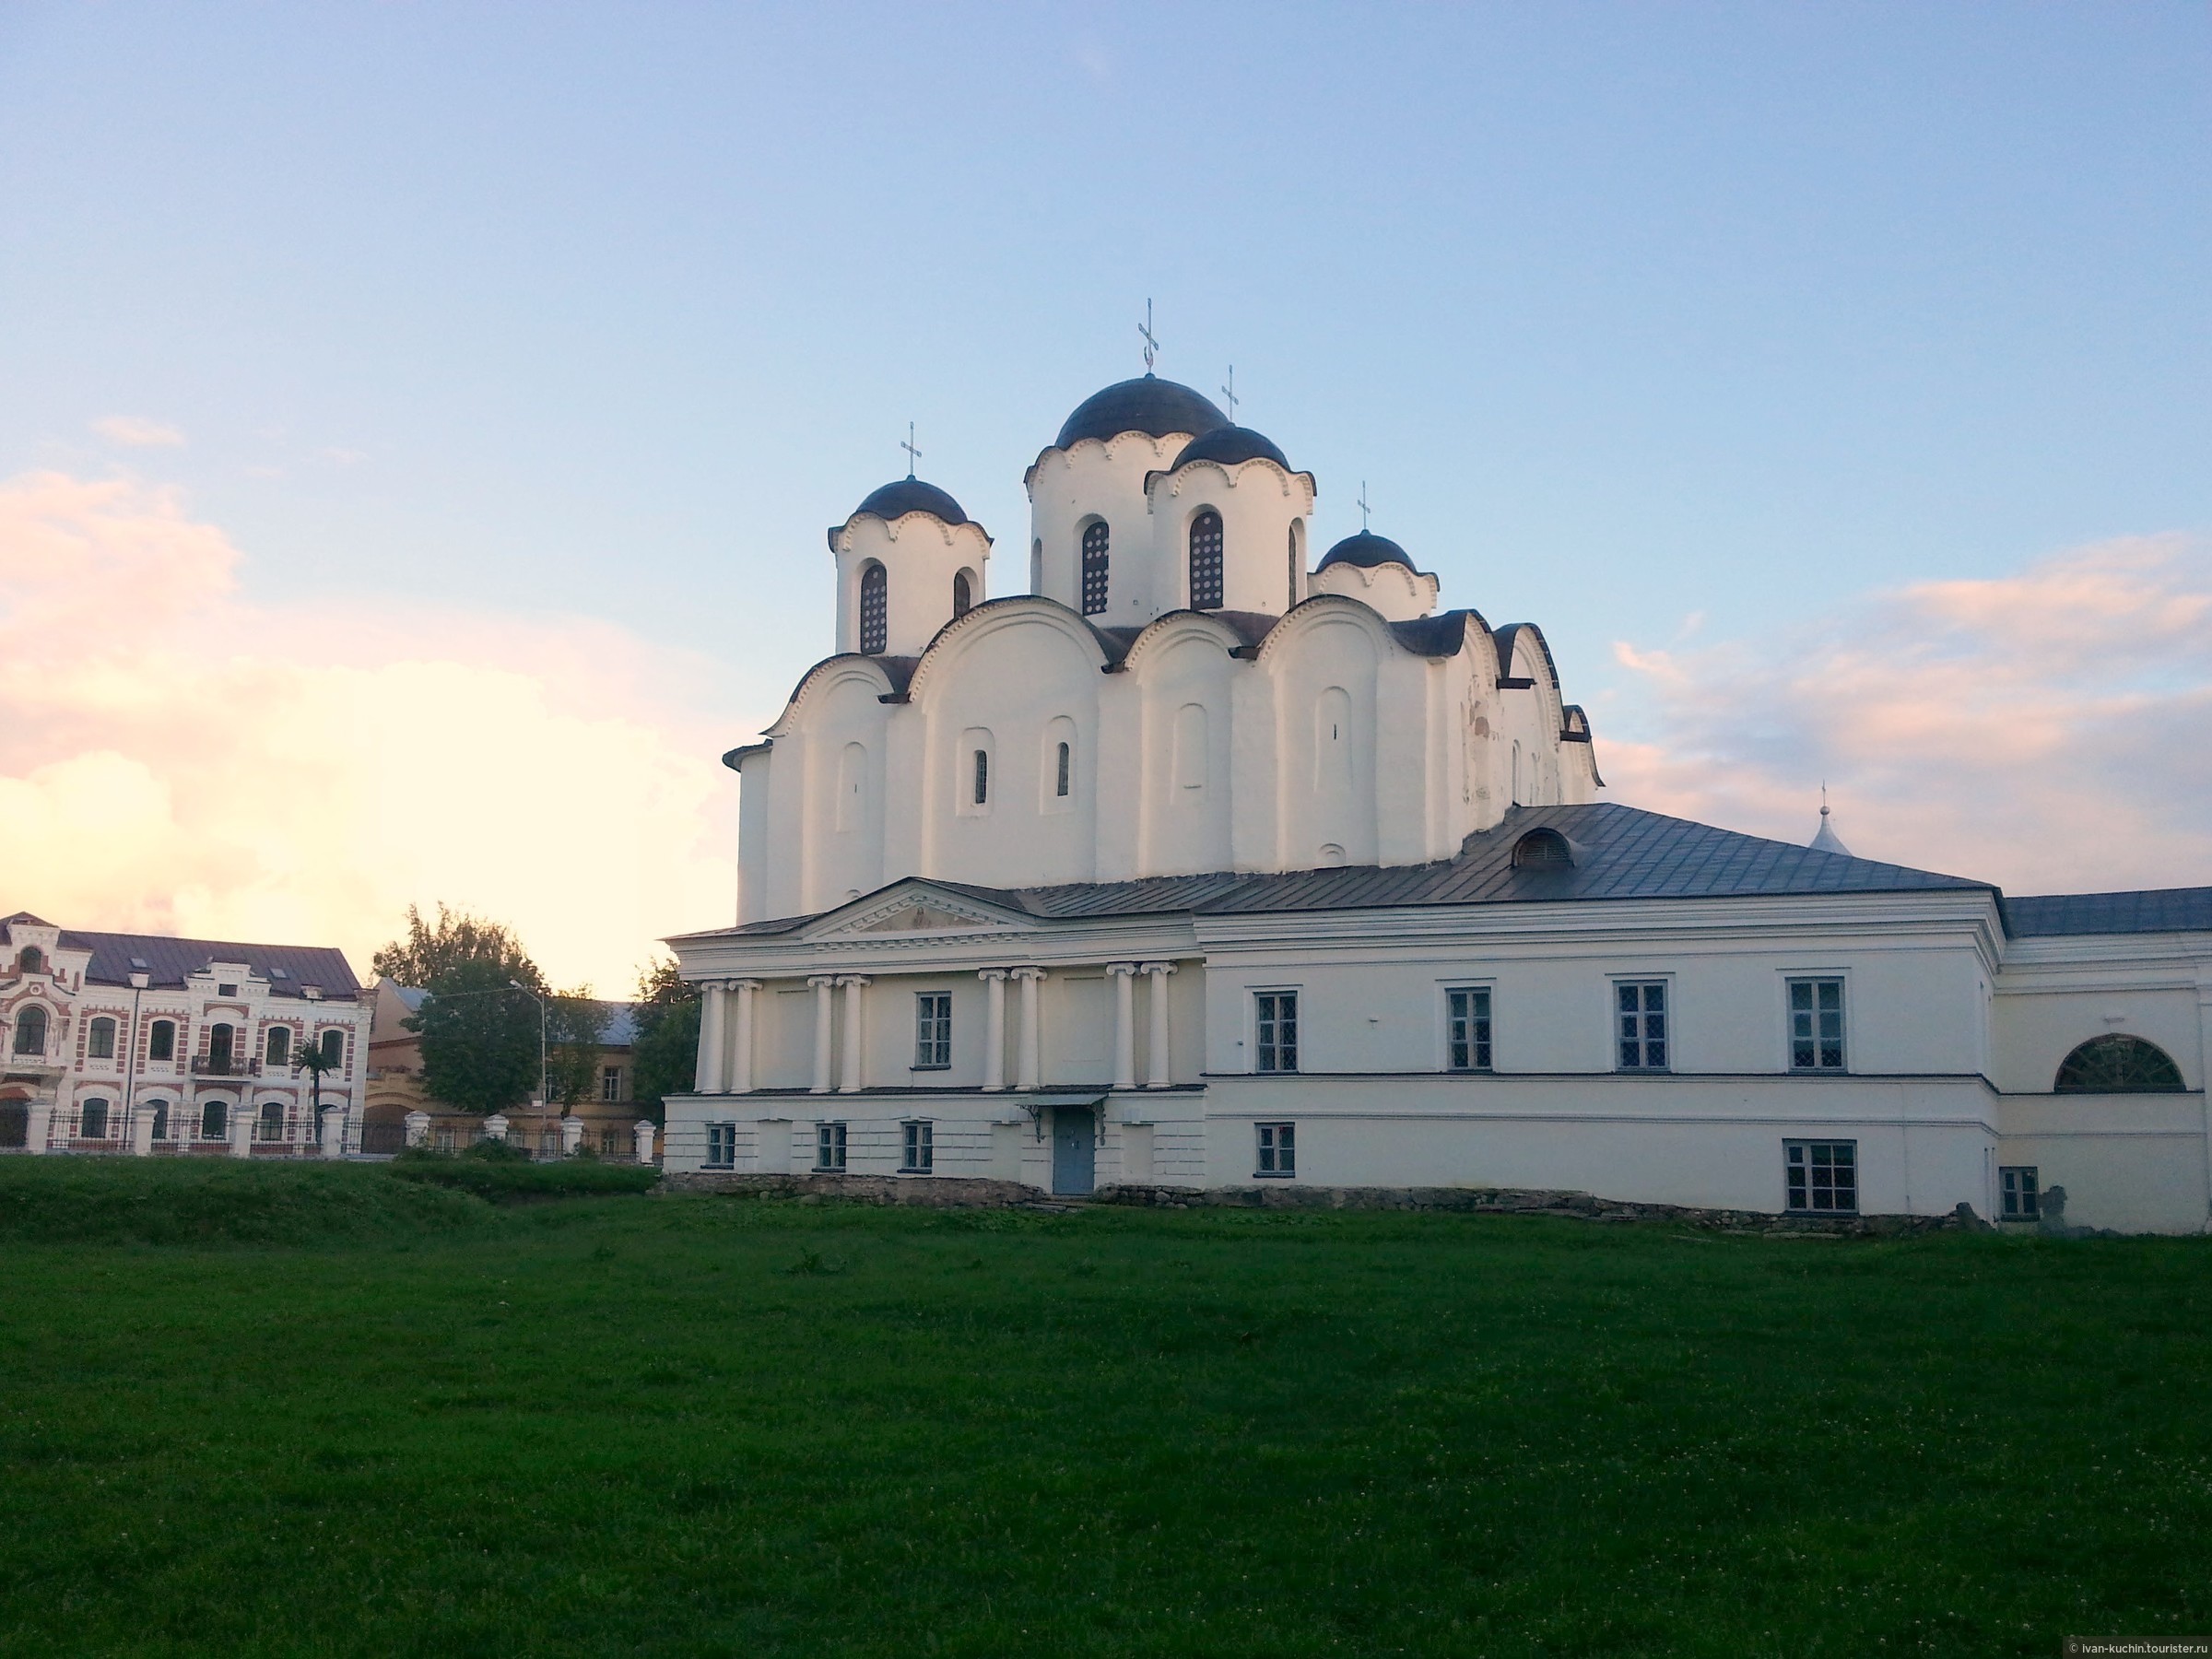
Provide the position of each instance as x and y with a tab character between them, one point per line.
1199	861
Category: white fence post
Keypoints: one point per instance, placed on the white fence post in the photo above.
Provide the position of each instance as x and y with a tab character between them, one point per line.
40	1129
333	1131
242	1130
418	1128
572	1135
495	1125
142	1131
644	1134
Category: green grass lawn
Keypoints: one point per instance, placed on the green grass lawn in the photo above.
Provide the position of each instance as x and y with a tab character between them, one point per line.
380	1415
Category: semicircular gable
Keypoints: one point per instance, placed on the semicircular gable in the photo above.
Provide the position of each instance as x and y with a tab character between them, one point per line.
1523	643
888	675
1174	628
963	633
1325	610
1232	473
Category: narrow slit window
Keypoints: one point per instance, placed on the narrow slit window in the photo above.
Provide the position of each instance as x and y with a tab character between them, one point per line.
1061	770
1206	560
1094	569
982	778
963	596
875	610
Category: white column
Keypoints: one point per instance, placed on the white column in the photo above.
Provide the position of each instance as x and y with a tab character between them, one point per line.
849	1081
1027	1052
1123	975
242	1127
741	1063
995	1027
824	985
709	1041
1156	1075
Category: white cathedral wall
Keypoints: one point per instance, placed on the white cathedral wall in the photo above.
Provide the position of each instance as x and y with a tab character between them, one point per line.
1104	481
1392	591
1259	503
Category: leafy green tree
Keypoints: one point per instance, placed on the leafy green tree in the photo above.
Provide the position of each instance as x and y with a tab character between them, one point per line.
430	950
315	1059
479	1031
576	1026
665	1058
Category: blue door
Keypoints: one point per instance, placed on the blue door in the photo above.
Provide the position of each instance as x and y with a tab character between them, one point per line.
1073	1150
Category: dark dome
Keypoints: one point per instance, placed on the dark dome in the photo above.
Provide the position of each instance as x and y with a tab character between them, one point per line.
1147	404
1366	549
910	495
1231	444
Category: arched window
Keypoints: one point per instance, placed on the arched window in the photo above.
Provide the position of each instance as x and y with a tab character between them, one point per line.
1206	560
963	594
1063	767
983	776
214	1120
874	609
160	1119
1094	569
93	1124
32	961
31	1030
100	1040
219	1048
279	1046
2118	1064
333	1050
162	1040
272	1120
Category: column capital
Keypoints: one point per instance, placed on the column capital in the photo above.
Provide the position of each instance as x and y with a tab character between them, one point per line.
993	973
1121	970
852	979
1157	967
1028	973
819	981
746	984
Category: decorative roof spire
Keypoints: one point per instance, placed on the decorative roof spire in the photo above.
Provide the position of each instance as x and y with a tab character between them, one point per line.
1825	838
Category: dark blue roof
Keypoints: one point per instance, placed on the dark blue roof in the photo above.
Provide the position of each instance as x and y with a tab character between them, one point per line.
911	495
1620	853
2157	910
169	962
1366	549
1146	405
1231	444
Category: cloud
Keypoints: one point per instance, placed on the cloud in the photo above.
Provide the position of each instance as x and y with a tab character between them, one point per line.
137	432
177	758
2044	730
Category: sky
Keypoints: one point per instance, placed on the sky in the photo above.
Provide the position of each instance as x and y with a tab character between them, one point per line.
419	422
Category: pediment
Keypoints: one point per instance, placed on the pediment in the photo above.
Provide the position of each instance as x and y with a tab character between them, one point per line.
915	910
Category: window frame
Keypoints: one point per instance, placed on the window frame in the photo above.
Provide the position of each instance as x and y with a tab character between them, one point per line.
2018	1199
722	1147
933	1030
105	1129
98	1027
36	1018
917	1147
1615	1013
1275	1151
611	1085
276	1036
1798	1176
1815	1043
1094	568
161	1040
832	1146
1273	1006
872	609
1486	1043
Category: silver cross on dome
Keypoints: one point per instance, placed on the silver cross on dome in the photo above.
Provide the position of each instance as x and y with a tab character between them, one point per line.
1151	344
912	454
1229	391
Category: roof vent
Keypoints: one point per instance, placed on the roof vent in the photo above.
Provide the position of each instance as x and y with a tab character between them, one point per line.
278	974
140	963
1543	850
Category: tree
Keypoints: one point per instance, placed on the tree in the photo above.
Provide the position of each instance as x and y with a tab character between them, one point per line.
316	1058
429	951
667	1053
575	1034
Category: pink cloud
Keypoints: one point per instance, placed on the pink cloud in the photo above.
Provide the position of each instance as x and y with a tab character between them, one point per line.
134	432
2045	730
176	756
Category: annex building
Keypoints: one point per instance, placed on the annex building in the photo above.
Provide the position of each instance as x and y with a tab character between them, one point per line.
1200	864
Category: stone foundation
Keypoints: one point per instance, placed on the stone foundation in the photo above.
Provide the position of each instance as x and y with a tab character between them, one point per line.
931	1191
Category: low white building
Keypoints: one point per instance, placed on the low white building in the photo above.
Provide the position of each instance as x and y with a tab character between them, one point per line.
1192	867
139	1042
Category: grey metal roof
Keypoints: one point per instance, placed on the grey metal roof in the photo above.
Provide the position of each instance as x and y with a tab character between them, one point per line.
911	495
2156	910
169	961
1147	404
1620	853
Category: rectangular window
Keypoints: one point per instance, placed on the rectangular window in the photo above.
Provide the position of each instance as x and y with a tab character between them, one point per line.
933	1030
1279	1151
920	1152
829	1147
610	1083
1817	1025
2021	1192
722	1145
1823	1177
102	1044
1060	777
1641	1016
1468	1029
161	1042
982	777
610	1141
1277	1030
